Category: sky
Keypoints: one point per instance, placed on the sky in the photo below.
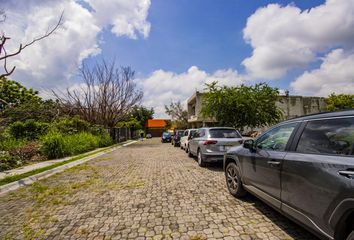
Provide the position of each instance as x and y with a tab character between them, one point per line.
176	46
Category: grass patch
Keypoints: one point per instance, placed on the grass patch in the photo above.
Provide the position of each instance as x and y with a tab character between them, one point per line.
14	178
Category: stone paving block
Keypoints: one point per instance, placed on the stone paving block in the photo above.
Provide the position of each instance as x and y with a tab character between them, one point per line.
147	190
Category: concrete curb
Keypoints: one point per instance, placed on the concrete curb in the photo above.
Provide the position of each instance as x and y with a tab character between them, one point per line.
31	179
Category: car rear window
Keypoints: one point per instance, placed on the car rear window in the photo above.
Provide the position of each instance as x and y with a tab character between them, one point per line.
224	133
180	133
165	134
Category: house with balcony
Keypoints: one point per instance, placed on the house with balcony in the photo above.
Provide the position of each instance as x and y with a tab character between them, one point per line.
195	118
291	106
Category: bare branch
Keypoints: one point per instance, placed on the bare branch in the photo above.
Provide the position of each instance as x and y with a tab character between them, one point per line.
107	96
22	47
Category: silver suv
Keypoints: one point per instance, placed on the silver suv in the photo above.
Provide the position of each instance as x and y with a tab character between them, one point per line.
210	144
303	168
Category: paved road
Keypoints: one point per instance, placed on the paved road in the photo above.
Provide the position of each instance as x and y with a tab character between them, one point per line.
148	190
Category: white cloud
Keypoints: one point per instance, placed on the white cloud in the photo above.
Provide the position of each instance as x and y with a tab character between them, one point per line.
162	86
284	37
336	74
125	17
53	60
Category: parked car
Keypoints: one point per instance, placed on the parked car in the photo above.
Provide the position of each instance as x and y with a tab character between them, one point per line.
303	168
148	136
166	137
187	135
176	139
210	144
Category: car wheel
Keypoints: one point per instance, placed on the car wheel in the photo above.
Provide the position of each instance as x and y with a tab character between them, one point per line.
201	162
351	236
233	181
186	149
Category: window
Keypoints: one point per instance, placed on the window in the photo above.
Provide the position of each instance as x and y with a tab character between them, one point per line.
201	132
166	134
277	138
192	133
185	133
333	136
224	133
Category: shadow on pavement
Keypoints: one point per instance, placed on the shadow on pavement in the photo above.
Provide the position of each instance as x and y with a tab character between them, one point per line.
280	220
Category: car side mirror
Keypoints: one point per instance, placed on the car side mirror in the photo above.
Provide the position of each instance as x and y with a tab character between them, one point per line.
249	144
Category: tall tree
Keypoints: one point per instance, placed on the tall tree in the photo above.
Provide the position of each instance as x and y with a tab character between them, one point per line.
178	114
12	93
241	106
341	101
4	55
142	114
106	97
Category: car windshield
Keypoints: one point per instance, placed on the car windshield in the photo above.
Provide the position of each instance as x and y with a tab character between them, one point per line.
192	132
224	133
166	134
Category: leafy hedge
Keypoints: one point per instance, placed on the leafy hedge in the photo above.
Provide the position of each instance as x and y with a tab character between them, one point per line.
30	140
57	145
29	129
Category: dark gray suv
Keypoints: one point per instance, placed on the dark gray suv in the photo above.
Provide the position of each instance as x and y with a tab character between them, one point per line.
303	168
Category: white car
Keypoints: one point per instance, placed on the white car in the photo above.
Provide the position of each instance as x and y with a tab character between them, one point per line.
187	135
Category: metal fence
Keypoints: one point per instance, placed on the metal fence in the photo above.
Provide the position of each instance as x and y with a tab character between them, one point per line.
120	134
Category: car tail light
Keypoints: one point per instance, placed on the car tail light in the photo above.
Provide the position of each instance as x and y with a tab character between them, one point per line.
240	141
210	142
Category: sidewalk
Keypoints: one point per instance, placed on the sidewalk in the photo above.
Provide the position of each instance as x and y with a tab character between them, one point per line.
28	168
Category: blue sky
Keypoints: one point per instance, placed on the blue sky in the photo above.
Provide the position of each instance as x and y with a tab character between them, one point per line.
176	46
204	33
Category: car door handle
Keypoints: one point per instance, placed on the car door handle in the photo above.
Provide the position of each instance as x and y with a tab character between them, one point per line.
347	173
273	163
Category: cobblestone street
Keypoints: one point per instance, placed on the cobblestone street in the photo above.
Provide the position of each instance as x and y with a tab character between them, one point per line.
147	190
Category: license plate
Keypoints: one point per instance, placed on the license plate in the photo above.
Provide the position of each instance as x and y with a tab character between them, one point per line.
224	148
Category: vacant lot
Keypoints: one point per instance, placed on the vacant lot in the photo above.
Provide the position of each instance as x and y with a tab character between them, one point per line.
148	190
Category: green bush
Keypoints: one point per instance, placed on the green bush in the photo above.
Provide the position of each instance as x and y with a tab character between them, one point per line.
104	140
9	144
80	143
29	129
53	145
56	145
71	125
8	162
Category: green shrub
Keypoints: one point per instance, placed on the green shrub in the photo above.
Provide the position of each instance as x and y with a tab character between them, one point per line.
9	144
29	129
71	125
56	145
104	140
8	162
53	145
97	129
80	143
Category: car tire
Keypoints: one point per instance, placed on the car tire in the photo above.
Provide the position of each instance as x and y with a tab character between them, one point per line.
186	149
233	181
200	157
